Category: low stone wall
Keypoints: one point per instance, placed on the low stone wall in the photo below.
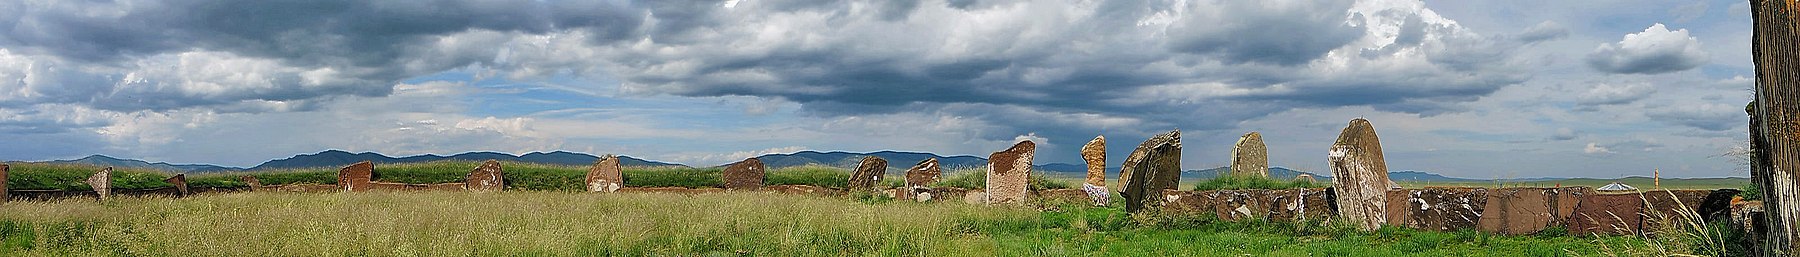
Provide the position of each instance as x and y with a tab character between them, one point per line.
1514	211
1251	204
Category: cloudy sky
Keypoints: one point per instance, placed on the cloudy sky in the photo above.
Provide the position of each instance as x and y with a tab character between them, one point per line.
1478	89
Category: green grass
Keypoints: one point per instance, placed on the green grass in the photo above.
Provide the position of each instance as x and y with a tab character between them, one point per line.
519	176
39	176
551	223
1253	182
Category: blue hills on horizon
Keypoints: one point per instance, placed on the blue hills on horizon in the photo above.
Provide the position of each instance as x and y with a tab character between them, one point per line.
898	161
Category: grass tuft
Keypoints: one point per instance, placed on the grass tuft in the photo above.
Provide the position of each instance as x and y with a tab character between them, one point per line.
1229	181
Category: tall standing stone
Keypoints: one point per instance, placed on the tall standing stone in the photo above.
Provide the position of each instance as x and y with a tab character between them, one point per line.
356	177
868	172
1250	157
1775	119
102	182
1009	172
180	182
746	174
605	175
1153	167
919	179
252	182
487	177
1094	152
1359	175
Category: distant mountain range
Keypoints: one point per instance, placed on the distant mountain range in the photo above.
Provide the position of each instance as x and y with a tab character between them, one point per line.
898	162
336	158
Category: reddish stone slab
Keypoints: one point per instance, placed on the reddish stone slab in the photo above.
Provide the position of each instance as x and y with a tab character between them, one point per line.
919	179
1298	204
356	177
1182	202
1671	207
1154	166
1009	172
1517	211
744	175
180	182
605	175
487	177
1398	210
1565	200
1446	209
868	173
1615	214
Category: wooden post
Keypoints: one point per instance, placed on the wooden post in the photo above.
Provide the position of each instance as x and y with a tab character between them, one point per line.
1775	127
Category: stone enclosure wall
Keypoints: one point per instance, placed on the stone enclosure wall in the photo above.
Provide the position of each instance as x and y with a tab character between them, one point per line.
1512	211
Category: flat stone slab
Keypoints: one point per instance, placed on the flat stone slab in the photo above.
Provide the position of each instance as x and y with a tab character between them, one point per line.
1564	202
1250	157
356	177
868	173
1154	166
180	183
919	179
487	177
1009	173
1446	209
1517	211
1614	214
744	175
605	175
1397	211
1670	205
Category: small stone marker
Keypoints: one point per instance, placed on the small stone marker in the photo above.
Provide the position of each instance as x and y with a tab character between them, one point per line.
356	177
746	174
252	182
3	194
1250	157
1359	175
1095	155
919	179
102	182
1154	166
868	172
605	175
180	182
487	177
1008	173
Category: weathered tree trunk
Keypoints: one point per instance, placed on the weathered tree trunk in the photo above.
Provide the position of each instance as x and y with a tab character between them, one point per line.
1776	167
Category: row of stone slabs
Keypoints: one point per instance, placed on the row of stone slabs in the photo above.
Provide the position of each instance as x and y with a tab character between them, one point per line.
1513	211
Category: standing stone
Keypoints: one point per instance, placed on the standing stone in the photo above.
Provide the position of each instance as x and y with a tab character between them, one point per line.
1250	157
746	174
919	179
180	182
1008	173
868	173
1359	175
102	182
356	177
1153	167
1775	120
3	194
605	175
252	182
487	177
1095	155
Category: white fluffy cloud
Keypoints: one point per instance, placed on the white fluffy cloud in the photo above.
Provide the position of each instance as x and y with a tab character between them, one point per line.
1655	50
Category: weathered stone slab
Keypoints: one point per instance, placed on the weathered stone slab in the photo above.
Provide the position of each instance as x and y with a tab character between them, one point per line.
919	179
180	182
1717	205
1188	202
868	173
670	190
744	175
1009	172
356	177
1250	157
605	175
1067	195
1615	214
1094	153
1244	204
487	177
252	182
1664	208
1446	209
101	182
1154	166
1298	204
1565	200
1397	202
1359	175
1517	211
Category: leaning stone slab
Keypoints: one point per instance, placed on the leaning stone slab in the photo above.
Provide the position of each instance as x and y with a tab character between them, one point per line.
101	182
919	179
356	177
1517	211
1154	166
605	175
1008	173
1446	209
744	175
487	177
1615	214
868	173
180	182
1094	153
1250	157
1359	175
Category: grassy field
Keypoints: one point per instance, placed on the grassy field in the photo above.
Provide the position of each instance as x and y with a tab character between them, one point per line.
553	223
